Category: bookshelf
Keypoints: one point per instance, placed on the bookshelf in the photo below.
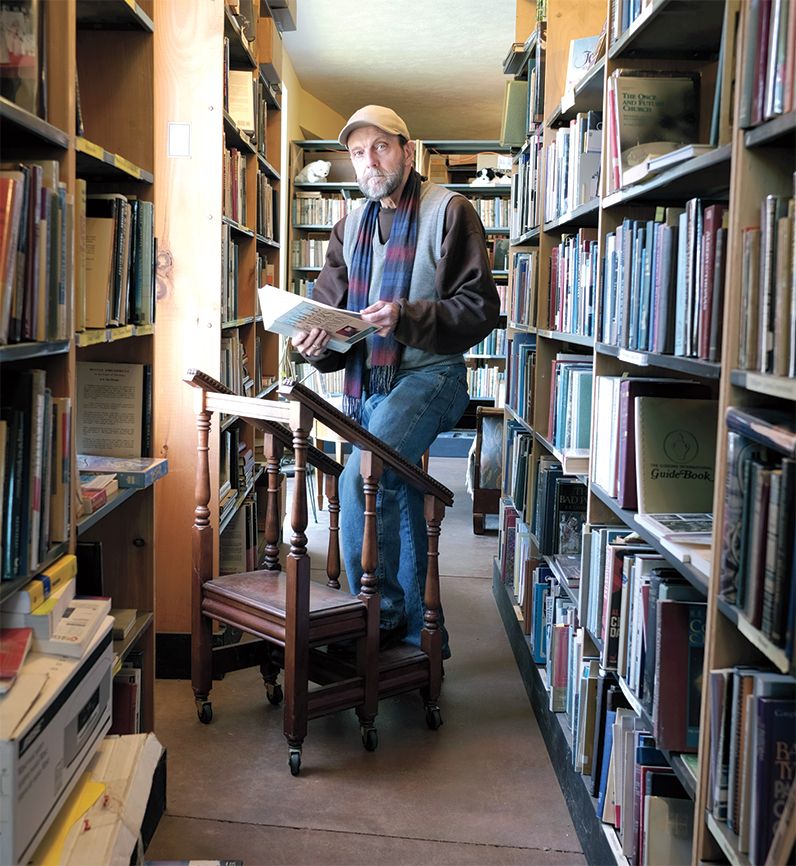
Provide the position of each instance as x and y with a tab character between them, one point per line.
455	165
92	131
567	252
219	167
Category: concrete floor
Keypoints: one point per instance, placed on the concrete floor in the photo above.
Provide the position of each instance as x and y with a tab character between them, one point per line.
481	790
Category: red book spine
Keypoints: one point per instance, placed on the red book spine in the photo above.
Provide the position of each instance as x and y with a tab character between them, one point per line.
712	223
761	61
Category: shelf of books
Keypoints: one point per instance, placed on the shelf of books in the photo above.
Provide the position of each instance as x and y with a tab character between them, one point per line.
646	565
77	472
481	171
219	166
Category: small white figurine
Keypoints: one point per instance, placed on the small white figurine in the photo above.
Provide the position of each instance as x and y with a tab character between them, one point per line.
314	172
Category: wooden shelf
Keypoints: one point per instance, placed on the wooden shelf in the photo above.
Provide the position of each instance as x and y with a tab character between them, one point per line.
28	351
708	173
697	578
782	387
564	337
96	163
779	131
28	129
692	366
113	15
587	96
677	29
573	462
585	215
599	842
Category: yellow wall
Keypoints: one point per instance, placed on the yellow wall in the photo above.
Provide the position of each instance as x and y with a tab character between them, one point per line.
305	110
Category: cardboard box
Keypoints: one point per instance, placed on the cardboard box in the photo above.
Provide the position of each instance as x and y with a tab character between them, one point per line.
51	723
437	168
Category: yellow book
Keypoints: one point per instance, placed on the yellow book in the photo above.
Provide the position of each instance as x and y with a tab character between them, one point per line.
40	589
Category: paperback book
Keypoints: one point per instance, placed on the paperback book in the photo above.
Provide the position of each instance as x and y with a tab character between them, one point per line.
288	314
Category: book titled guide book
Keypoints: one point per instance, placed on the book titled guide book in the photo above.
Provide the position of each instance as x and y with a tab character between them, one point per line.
675	454
288	314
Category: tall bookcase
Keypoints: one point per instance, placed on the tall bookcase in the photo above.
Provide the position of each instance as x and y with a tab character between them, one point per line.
218	207
92	129
113	152
452	164
547	600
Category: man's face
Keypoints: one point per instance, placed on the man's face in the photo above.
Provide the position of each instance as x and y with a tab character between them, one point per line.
379	160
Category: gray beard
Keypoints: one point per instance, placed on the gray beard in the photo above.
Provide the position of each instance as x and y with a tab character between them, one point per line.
387	184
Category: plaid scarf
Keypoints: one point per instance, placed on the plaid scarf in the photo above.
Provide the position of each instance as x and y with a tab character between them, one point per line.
385	352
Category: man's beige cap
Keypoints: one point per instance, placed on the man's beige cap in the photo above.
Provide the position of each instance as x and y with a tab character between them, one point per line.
374	115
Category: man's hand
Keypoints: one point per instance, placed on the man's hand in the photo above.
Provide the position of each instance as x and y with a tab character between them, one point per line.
383	314
312	343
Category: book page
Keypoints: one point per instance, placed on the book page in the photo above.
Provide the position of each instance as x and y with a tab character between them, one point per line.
288	314
110	403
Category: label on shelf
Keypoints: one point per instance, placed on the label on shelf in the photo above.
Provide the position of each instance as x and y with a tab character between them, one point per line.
125	165
637	358
91	337
86	146
121	333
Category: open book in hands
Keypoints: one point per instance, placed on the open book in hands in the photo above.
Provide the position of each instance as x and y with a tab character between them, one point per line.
289	314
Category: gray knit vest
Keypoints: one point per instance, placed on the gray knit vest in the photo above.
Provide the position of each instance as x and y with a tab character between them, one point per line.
433	201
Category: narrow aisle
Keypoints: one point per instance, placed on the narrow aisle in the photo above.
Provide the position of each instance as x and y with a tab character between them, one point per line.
481	790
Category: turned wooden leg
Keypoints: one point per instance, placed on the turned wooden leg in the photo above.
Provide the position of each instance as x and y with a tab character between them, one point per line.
370	468
201	571
273	454
430	635
298	598
333	567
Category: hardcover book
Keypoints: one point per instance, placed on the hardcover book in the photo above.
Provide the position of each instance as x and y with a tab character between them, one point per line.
288	314
656	112
15	644
774	771
680	649
138	472
675	454
569	503
629	390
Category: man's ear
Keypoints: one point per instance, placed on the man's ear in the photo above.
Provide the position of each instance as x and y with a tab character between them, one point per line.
409	151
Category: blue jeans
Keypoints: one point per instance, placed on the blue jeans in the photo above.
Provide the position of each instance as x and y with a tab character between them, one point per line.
421	404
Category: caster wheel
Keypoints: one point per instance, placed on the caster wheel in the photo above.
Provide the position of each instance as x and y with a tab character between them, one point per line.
273	691
433	718
204	710
294	761
370	739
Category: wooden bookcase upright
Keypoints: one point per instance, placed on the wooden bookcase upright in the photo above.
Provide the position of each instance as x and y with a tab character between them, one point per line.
115	153
213	252
745	166
108	49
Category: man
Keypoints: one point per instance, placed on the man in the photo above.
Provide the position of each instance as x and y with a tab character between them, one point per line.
413	261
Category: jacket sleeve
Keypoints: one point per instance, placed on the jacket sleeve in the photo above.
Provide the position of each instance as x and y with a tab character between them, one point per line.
331	288
468	308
